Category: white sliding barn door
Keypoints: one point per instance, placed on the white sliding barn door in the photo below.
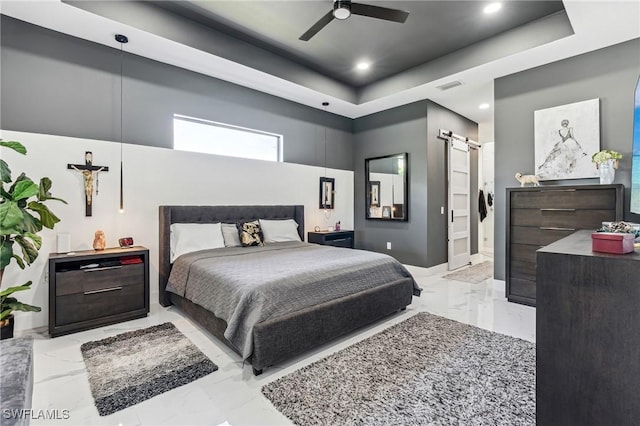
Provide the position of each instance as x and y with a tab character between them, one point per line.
459	188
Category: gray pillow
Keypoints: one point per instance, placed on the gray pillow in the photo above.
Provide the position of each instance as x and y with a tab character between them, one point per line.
230	235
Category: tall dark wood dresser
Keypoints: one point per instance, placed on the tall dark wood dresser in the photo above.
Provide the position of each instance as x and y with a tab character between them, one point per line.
537	216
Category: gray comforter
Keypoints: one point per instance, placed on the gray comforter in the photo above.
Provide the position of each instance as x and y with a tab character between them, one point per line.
247	285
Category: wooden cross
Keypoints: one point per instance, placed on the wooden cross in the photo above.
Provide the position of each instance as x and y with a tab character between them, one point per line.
88	169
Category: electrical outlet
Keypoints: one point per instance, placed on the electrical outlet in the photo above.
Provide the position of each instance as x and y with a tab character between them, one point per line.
388	246
441	209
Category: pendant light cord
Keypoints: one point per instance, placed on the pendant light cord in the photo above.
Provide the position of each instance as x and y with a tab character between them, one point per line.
121	117
325	105
122	39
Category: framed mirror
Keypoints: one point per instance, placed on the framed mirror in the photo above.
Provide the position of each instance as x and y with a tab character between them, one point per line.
386	194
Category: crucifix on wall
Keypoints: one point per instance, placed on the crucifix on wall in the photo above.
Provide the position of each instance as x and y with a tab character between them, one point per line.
89	174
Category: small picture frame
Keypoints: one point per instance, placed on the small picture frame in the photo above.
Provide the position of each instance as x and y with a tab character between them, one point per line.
327	193
386	212
374	193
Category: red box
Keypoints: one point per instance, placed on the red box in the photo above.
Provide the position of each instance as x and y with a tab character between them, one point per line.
612	242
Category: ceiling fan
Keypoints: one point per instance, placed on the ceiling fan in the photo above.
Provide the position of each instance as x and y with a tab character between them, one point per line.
344	9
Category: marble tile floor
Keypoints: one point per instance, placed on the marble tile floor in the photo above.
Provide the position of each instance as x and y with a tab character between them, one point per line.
231	395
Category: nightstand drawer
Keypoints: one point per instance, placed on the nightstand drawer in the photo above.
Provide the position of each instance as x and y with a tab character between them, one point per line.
90	305
333	238
88	280
341	242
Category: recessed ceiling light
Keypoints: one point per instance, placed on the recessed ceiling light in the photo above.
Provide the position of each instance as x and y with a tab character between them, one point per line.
363	66
484	106
492	8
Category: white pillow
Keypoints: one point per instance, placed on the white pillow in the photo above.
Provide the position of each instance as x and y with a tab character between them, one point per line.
188	237
277	231
230	234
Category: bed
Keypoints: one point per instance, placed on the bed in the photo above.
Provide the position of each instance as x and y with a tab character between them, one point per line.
283	334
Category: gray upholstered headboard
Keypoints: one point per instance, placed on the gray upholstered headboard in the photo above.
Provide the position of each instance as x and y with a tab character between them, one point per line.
213	214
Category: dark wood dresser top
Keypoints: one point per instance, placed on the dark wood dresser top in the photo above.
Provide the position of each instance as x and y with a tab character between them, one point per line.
579	244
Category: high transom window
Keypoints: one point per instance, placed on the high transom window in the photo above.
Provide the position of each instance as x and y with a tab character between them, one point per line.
209	137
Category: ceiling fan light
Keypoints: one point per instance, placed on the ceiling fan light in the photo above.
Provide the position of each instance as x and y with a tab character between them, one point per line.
341	9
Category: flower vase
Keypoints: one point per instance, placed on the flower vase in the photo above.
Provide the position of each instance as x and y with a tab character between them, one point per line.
607	172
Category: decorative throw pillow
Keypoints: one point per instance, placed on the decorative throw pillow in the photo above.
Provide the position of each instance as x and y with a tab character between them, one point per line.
250	234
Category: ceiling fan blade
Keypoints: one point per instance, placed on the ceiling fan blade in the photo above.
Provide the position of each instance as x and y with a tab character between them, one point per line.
385	13
317	26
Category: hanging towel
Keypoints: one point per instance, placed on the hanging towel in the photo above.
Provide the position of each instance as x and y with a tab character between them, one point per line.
482	206
490	199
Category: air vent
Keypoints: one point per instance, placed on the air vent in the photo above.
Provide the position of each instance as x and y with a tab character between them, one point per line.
450	85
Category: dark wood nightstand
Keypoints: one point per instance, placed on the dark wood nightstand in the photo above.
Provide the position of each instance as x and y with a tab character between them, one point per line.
332	238
91	288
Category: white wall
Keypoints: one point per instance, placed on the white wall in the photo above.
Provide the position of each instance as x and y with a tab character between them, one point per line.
486	183
153	177
485	132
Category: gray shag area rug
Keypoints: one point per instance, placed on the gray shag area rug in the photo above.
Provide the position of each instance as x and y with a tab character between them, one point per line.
132	367
427	370
474	274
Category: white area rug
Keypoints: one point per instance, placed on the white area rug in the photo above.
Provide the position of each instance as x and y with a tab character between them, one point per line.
474	274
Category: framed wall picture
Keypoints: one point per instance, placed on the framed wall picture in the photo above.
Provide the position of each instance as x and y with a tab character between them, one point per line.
327	192
374	193
565	138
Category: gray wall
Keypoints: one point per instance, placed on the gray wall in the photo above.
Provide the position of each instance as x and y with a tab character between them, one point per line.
401	129
412	128
609	74
57	84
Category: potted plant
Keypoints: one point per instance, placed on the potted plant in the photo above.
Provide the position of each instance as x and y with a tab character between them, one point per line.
603	156
23	214
606	162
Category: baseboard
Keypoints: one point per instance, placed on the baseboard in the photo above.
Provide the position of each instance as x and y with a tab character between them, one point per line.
438	269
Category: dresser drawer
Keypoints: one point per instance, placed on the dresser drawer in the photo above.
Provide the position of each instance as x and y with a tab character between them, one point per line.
89	280
564	198
523	270
536	235
524	252
522	288
567	220
90	305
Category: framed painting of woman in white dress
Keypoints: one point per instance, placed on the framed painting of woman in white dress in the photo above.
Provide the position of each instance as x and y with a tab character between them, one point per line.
566	137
